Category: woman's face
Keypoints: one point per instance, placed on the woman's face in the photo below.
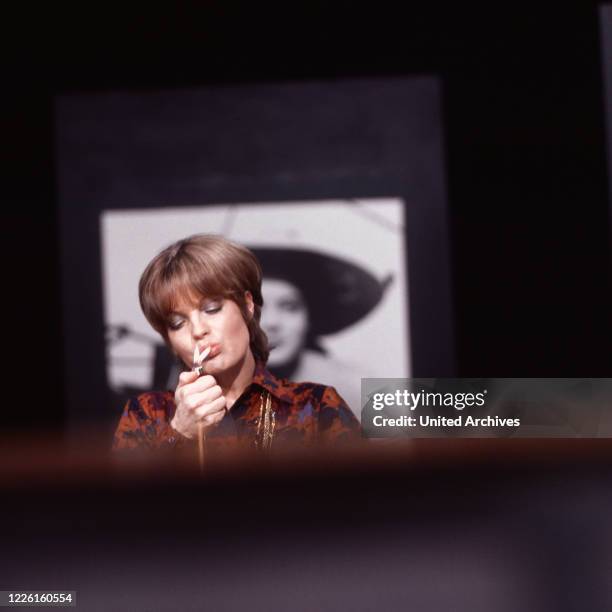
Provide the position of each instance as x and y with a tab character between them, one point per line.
284	318
214	323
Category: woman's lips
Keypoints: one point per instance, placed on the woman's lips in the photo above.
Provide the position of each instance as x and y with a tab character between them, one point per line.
215	349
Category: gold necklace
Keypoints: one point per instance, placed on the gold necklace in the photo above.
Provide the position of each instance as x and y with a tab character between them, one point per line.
266	423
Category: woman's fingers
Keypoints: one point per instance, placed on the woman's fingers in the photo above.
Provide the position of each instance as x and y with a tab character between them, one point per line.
190	383
195	400
199	400
214	408
187	377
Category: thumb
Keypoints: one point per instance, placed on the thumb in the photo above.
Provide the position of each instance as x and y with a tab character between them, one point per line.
187	377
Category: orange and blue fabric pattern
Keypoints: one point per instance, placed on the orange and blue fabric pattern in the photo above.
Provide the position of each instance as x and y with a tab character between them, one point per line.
304	414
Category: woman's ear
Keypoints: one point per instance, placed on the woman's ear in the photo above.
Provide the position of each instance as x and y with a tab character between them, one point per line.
248	297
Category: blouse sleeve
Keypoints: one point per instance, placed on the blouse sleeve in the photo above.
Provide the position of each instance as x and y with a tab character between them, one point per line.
337	423
144	425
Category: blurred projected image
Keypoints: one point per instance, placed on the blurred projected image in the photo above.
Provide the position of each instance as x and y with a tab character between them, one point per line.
335	289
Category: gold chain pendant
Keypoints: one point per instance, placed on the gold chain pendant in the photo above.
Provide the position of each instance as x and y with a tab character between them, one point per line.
266	423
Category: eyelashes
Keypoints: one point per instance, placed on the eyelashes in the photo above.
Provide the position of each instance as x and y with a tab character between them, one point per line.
208	308
175	325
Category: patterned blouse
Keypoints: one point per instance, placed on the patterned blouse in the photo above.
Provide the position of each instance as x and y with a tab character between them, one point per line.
291	413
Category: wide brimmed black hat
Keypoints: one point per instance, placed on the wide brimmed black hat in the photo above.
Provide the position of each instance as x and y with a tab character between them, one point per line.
338	293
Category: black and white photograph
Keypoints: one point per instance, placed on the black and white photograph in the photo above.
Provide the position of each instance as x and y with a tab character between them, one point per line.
334	287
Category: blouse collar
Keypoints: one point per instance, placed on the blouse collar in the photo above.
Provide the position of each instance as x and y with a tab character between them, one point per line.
278	387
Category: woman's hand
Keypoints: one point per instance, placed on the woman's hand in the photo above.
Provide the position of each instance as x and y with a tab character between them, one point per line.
199	400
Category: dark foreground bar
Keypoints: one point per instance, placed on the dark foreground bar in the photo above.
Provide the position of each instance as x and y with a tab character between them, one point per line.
474	525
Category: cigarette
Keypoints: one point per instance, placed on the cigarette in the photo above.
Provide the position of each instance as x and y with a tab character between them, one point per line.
198	359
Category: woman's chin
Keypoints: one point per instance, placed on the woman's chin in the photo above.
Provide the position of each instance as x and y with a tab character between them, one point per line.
213	366
216	365
224	362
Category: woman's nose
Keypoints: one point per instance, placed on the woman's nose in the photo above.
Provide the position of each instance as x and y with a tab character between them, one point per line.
199	325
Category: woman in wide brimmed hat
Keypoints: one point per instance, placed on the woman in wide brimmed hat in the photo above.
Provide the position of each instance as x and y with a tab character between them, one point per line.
307	295
203	295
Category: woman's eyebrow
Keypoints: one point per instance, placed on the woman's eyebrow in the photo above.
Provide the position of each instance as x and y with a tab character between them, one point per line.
176	310
173	316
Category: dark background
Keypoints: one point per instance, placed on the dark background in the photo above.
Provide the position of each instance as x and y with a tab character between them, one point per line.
527	185
523	115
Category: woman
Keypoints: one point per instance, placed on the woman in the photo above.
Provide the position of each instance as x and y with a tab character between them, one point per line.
310	295
204	293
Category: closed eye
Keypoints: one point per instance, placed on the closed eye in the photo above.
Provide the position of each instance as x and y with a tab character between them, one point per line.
212	308
208	307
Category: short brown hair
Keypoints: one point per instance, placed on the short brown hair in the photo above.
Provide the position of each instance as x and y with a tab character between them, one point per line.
204	265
